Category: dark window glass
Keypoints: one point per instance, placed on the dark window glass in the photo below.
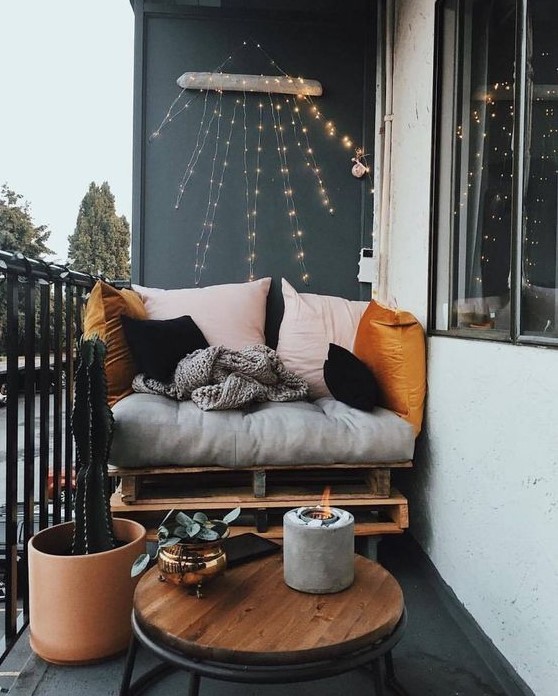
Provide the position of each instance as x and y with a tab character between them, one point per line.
476	222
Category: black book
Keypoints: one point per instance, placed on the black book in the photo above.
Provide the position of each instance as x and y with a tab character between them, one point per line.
247	547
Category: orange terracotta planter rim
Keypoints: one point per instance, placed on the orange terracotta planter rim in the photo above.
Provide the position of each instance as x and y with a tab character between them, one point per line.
65	531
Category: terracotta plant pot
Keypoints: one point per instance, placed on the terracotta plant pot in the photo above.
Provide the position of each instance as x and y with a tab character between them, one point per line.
80	606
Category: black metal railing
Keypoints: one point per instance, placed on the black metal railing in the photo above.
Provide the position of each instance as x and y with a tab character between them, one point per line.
41	309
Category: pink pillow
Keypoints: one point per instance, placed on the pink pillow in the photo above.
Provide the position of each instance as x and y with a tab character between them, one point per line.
231	315
310	323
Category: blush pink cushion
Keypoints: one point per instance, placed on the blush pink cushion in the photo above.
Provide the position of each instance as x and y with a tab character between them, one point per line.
231	315
310	323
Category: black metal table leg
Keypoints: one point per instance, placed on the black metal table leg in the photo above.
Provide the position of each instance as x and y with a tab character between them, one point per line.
377	672
129	667
194	685
391	678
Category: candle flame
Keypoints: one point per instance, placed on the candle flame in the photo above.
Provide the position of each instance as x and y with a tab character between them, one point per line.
324	502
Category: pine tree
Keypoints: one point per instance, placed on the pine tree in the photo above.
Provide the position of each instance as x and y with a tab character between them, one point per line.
100	243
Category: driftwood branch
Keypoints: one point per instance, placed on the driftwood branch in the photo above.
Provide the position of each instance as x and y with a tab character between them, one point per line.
275	84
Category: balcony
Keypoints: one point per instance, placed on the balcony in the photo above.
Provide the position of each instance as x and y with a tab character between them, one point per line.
440	650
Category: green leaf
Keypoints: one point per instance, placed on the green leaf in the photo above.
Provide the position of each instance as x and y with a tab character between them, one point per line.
201	517
162	533
231	516
206	534
183	519
140	564
181	531
171	541
194	530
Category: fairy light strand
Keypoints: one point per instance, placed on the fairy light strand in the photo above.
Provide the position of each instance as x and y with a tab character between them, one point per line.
194	155
330	129
169	116
247	190
308	154
205	229
252	239
206	233
296	232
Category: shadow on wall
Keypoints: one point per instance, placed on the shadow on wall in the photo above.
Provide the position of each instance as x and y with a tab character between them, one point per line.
415	484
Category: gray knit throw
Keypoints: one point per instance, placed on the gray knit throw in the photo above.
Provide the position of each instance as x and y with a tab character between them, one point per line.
218	378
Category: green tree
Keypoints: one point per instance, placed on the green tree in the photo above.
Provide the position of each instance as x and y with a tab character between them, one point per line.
100	243
17	231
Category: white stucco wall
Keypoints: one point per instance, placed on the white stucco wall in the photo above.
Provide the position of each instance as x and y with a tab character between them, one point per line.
484	492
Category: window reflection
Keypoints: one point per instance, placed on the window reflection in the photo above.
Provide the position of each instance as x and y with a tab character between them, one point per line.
540	204
478	223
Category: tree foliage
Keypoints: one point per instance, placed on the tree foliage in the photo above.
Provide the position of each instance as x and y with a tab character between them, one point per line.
100	243
17	231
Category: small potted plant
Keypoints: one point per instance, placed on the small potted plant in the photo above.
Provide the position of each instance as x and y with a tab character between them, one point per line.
189	549
80	590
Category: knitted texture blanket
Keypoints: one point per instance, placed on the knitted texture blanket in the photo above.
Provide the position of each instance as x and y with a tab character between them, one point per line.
218	378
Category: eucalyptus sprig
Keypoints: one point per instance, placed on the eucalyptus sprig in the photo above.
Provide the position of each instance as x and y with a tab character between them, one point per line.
185	529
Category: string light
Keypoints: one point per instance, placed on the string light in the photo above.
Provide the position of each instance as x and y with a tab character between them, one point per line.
202	246
252	229
211	123
308	153
196	152
169	116
296	232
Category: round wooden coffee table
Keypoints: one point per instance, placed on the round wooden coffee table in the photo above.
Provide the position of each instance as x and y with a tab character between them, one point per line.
250	627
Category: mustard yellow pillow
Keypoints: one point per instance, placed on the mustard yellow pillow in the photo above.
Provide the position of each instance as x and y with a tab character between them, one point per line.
102	317
391	343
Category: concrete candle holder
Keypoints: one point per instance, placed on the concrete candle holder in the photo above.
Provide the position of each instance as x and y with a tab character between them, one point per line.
318	549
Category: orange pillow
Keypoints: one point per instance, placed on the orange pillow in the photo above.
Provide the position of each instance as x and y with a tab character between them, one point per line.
102	317
391	343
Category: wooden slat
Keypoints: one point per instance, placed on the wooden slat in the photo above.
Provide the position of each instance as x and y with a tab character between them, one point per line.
130	487
258	483
217	499
276	531
400	515
379	481
157	470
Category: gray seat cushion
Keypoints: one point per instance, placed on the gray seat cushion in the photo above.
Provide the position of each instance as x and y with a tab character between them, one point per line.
152	430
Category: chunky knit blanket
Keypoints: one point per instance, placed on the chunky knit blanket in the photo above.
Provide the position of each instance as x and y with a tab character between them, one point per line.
218	378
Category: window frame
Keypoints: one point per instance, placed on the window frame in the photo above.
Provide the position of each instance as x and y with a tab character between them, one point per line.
444	272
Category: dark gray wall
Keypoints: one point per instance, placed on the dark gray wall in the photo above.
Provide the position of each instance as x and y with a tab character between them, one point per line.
336	48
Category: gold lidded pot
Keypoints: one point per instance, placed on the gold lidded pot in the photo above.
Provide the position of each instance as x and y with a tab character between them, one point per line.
193	563
190	550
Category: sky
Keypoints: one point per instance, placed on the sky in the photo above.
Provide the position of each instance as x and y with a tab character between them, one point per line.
66	106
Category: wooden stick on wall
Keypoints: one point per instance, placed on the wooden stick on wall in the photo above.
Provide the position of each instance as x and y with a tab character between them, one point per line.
275	84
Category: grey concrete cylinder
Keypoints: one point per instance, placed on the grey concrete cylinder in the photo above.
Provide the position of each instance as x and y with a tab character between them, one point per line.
318	559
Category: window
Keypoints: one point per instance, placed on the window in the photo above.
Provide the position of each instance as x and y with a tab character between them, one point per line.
495	271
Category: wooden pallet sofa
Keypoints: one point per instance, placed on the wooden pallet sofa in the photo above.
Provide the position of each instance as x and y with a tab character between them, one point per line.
267	456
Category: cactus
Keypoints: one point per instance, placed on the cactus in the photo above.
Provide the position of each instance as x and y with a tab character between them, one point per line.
92	426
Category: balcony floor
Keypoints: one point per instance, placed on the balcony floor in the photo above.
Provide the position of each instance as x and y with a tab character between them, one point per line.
441	653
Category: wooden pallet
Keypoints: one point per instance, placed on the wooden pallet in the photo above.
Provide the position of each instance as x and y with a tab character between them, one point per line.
175	484
383	516
264	494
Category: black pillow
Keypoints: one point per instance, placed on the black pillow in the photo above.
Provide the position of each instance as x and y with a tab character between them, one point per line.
157	345
349	380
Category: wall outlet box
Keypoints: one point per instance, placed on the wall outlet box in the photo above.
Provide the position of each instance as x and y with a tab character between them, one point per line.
367	266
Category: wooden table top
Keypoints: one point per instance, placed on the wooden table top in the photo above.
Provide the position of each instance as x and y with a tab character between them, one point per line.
249	616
